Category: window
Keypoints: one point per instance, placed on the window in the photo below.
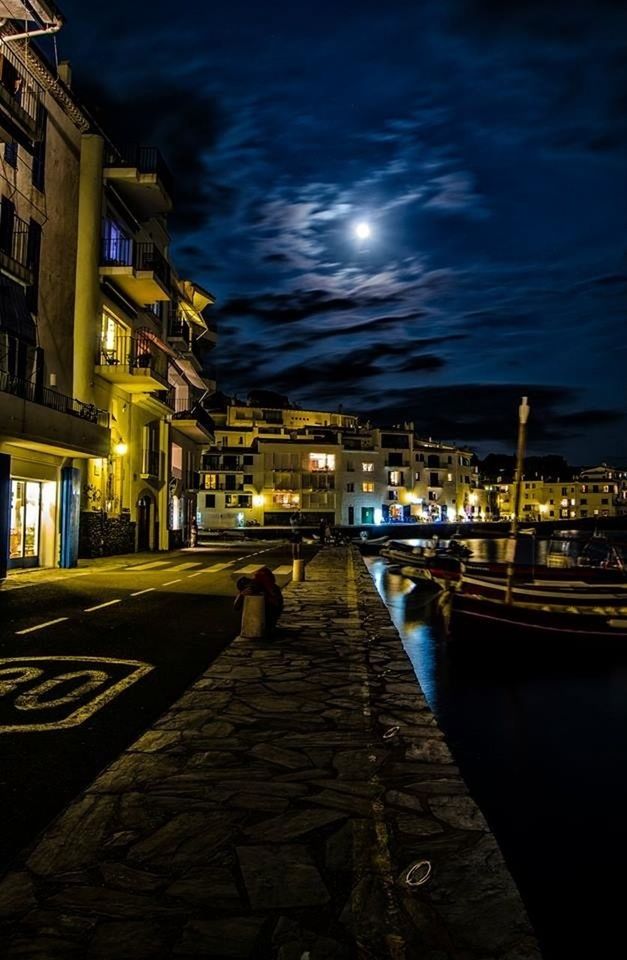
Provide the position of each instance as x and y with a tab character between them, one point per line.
210	500
595	488
606	488
564	491
116	245
248	478
367	467
285	498
10	153
434	480
367	487
584	513
350	487
321	461
417	475
211	481
396	478
584	487
583	500
248	458
350	466
604	501
449	476
238	500
392	494
395	460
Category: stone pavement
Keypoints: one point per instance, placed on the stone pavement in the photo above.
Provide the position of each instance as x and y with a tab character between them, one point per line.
297	803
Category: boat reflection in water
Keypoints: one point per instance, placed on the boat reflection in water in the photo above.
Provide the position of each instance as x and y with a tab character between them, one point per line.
540	735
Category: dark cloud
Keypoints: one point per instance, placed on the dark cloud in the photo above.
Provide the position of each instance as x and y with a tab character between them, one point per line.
283	308
184	122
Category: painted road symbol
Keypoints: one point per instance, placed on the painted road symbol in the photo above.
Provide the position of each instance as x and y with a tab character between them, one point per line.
55	693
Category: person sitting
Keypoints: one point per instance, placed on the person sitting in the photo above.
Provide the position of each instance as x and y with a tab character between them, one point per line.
245	588
264	582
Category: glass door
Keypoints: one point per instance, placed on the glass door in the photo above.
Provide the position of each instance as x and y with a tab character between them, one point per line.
25	523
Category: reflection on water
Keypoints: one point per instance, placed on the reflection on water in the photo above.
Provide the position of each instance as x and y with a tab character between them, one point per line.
541	738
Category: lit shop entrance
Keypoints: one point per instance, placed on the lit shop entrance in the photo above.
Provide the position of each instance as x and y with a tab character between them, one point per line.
25	529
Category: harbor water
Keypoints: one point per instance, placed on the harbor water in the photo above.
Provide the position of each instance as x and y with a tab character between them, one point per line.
540	735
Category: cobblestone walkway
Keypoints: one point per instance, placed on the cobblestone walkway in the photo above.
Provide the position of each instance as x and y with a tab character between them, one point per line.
276	811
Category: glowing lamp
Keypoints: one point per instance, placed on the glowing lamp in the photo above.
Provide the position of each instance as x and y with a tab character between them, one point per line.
120	448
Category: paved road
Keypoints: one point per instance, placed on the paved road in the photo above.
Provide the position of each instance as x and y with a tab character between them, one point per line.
90	658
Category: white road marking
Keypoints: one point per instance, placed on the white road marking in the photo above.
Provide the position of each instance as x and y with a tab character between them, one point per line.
185	566
151	565
139	592
99	606
214	569
282	570
40	626
249	569
171	581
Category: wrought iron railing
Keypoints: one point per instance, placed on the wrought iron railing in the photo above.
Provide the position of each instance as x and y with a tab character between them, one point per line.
145	159
148	257
17	86
35	393
121	251
136	353
14	239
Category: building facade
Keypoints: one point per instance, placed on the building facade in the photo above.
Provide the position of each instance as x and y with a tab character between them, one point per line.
268	463
597	492
101	384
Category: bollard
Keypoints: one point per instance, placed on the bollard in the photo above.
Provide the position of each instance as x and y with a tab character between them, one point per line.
253	618
298	570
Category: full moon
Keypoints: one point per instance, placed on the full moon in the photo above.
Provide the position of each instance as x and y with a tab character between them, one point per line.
362	230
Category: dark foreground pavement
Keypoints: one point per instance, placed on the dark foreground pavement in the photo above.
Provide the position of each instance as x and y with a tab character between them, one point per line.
297	803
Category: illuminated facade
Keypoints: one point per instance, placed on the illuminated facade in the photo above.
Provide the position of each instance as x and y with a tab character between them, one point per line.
101	422
268	463
597	492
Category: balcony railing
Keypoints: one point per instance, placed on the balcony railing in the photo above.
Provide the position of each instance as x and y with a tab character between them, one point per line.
223	486
50	398
136	353
183	410
120	251
17	88
14	239
167	397
144	159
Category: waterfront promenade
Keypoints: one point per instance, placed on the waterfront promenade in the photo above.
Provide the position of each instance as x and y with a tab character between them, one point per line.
276	811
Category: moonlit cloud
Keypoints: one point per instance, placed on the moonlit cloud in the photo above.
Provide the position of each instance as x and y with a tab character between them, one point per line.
485	143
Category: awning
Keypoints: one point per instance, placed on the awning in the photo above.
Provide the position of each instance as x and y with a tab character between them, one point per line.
15	316
197	295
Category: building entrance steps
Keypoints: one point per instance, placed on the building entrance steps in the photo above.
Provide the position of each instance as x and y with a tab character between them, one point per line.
299	801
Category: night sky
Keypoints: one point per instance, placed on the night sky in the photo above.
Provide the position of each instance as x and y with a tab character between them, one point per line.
484	142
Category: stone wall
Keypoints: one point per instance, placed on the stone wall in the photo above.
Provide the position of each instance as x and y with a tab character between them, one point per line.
104	536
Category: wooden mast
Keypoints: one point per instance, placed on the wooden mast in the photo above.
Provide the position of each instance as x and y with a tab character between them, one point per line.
523	416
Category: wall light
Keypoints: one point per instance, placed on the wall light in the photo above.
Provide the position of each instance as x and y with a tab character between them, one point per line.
120	448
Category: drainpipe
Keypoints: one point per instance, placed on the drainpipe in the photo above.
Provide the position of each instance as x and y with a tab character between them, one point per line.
53	28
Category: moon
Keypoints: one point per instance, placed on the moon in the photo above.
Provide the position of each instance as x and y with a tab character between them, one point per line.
362	230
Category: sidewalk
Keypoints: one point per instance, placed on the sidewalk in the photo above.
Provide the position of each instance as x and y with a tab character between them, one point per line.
276	812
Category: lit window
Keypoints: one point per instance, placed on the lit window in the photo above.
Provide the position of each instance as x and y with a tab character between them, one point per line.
367	467
322	461
449	477
396	478
285	498
367	487
211	481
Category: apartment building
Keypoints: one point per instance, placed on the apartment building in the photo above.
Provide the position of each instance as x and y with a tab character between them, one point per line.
596	492
268	463
101	421
46	431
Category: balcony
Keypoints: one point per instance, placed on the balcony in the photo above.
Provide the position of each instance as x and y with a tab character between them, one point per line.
71	427
21	102
135	363
192	421
139	269
14	246
142	179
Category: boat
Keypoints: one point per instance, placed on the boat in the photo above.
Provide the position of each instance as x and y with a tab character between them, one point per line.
570	556
538	609
543	605
370	545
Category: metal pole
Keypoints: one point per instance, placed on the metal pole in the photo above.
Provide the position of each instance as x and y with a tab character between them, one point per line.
523	416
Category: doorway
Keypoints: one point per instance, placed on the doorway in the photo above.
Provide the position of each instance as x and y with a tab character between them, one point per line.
367	514
351	515
25	524
144	522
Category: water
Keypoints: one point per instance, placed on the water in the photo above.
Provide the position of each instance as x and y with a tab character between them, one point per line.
540	735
